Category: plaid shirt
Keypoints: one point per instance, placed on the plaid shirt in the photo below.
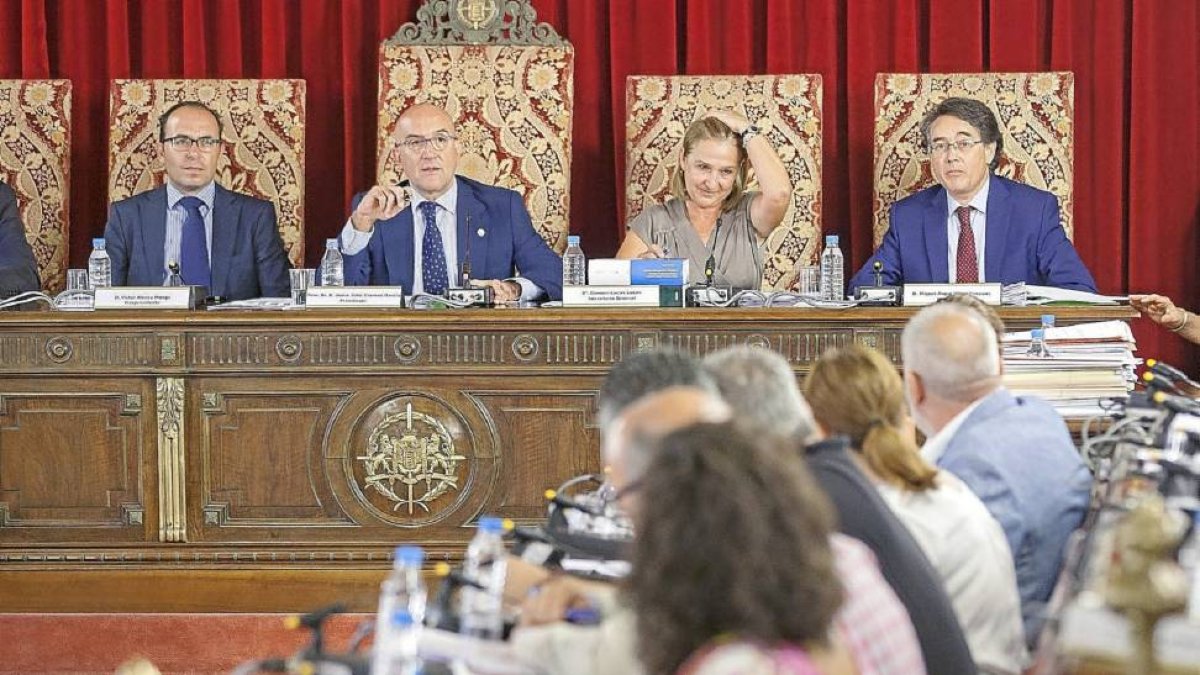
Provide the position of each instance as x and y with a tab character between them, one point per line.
872	622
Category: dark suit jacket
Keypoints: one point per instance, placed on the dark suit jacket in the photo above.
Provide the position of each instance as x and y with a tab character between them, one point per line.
247	258
509	244
864	515
1024	241
18	269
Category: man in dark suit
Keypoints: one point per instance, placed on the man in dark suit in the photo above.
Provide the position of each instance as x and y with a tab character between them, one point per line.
457	219
974	226
18	270
223	240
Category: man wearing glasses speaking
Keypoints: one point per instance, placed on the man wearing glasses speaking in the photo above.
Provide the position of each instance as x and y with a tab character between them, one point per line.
974	226
225	241
418	234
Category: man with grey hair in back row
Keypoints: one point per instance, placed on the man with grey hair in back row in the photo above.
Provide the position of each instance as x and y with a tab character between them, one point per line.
1015	453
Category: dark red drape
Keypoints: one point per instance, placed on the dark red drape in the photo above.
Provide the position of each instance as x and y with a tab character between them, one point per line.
1136	66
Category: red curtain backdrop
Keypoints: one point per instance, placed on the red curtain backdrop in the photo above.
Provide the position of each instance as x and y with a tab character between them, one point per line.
1135	61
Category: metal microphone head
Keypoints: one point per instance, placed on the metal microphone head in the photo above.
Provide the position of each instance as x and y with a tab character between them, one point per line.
710	267
173	267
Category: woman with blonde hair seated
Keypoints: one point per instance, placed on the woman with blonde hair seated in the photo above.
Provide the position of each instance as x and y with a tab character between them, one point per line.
710	216
856	392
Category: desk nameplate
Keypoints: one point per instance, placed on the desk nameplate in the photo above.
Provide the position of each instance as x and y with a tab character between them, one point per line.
147	297
365	297
919	295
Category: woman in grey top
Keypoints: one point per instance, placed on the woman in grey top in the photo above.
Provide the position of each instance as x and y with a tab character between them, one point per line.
710	215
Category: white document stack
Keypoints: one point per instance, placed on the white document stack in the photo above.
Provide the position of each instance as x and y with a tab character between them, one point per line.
1090	364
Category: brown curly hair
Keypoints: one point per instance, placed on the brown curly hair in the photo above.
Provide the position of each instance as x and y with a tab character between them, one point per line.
733	537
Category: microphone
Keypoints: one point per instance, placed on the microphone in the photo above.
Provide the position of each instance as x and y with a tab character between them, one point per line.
465	295
878	295
1175	376
1155	383
567	503
1176	404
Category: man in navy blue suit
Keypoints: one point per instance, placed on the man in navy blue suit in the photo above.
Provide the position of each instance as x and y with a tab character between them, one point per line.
452	219
974	226
18	270
223	240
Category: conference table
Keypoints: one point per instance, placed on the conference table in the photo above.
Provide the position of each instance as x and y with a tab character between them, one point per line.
270	461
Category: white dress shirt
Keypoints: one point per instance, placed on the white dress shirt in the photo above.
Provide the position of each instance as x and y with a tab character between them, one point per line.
354	241
978	206
967	547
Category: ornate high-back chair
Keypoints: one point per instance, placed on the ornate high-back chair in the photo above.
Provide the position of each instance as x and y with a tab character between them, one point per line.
35	156
507	81
787	108
263	133
1036	112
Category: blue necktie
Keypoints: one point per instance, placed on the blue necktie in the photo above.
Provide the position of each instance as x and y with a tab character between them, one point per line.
193	246
434	275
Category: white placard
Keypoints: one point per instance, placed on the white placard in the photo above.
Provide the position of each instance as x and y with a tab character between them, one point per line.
144	297
612	296
378	297
919	295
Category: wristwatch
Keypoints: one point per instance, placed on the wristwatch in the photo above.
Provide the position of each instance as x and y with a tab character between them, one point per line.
749	133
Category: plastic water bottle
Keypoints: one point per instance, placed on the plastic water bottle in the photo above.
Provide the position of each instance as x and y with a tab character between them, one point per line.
332	265
401	614
833	282
574	263
99	265
1037	344
481	609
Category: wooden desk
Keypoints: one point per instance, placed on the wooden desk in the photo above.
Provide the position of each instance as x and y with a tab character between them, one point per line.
270	461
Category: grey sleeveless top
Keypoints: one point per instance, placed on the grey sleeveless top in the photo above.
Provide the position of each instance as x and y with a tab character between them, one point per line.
735	244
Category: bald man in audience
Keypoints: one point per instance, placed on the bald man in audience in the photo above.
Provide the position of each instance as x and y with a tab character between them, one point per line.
1015	453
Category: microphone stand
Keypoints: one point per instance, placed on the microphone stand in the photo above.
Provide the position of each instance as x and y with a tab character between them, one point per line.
465	295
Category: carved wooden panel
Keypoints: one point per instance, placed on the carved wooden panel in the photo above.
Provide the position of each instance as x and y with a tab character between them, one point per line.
545	437
73	461
92	351
257	457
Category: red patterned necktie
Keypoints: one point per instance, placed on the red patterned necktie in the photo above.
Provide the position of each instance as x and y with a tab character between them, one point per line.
967	270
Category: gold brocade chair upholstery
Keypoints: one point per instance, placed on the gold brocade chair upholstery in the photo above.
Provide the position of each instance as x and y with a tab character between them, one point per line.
1036	112
787	108
263	133
35	156
508	83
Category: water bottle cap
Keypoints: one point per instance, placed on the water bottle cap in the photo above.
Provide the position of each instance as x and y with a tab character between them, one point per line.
331	243
1048	319
1037	333
831	240
98	242
572	240
491	525
402	617
410	555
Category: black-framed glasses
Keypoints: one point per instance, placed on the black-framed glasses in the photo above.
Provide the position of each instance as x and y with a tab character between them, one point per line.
943	147
417	144
184	143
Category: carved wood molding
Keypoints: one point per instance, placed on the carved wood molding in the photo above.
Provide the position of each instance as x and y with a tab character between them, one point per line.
172	505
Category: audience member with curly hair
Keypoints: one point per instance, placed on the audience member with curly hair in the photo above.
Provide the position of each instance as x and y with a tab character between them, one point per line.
735	568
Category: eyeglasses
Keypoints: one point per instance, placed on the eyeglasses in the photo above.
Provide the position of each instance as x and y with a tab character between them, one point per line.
416	144
943	147
184	143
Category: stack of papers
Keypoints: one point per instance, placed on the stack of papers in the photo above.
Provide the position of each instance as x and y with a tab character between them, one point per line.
1021	294
1089	364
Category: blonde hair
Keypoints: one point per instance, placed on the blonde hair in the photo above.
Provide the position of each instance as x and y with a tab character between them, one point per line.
711	129
857	392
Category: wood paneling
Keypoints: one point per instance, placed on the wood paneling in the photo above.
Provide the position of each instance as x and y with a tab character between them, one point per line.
264	461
